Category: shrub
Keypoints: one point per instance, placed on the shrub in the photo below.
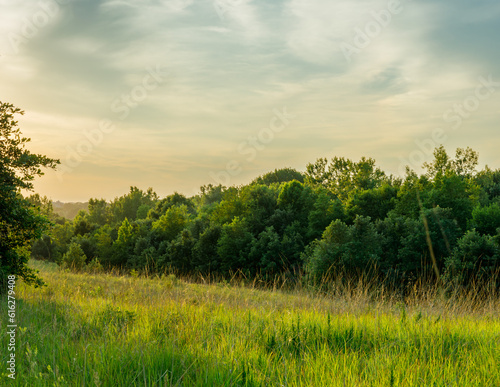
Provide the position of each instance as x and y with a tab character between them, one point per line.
179	252
94	266
326	209
265	251
74	257
234	245
347	249
205	256
486	220
44	249
474	255
406	251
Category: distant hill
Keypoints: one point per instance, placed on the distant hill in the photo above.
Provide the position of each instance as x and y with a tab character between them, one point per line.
69	210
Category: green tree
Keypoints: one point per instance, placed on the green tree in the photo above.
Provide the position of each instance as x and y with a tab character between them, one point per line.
44	206
234	245
486	220
292	246
342	175
464	164
20	222
124	233
229	207
82	225
88	245
350	250
326	254
411	194
279	176
142	211
489	181
265	252
74	257
104	243
205	256
61	235
98	211
127	206
474	256
298	199
406	243
123	245
180	251
448	183
171	223
174	200
44	248
259	202
211	194
375	202
326	208
452	191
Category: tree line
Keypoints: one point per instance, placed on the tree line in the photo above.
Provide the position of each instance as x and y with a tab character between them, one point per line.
340	218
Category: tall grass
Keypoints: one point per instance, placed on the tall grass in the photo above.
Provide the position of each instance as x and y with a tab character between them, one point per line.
114	330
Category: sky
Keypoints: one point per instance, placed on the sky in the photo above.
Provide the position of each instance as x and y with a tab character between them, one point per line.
176	94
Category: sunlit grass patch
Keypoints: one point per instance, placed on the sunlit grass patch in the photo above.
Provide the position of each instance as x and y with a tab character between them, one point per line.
112	330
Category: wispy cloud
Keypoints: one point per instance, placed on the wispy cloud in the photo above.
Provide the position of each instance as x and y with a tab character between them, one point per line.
226	74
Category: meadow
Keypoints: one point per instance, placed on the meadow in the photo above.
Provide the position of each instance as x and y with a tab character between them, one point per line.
114	330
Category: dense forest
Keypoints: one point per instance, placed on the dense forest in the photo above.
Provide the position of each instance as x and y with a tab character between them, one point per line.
339	218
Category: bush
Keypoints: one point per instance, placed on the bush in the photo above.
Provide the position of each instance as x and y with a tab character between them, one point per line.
179	252
350	250
75	257
205	256
234	245
296	198
375	203
44	249
406	251
172	222
474	255
403	245
265	251
88	245
326	209
292	245
444	232
94	267
486	220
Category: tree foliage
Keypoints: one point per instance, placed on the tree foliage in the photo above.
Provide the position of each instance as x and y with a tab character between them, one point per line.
341	218
20	221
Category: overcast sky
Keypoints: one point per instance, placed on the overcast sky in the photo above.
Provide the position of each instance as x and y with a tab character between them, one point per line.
176	94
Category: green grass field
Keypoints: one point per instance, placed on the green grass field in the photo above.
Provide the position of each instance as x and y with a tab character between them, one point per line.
105	330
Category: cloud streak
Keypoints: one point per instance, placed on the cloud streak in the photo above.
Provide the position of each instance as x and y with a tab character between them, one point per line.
227	74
